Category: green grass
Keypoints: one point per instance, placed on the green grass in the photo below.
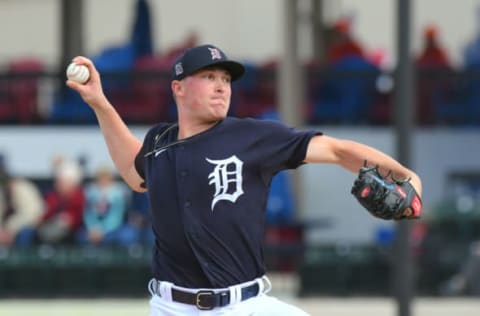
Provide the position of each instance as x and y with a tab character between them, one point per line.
333	306
74	307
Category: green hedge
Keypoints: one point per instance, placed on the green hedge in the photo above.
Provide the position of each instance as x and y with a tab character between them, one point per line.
70	271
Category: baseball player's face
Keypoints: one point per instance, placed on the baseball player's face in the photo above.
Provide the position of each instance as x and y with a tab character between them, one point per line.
206	94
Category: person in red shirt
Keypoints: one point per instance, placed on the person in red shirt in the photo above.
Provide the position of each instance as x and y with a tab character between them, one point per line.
64	206
433	54
432	88
343	44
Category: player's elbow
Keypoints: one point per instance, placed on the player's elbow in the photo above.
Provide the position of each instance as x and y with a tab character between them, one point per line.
133	180
139	189
136	184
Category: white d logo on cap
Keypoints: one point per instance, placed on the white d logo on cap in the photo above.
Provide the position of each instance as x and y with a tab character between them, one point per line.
215	53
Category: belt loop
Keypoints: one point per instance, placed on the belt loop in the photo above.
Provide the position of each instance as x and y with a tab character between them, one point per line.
260	285
165	289
269	284
152	287
238	293
233	295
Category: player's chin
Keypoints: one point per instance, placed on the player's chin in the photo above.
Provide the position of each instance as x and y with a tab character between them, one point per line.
219	112
218	117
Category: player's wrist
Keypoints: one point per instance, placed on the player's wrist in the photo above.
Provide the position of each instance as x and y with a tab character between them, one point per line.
101	105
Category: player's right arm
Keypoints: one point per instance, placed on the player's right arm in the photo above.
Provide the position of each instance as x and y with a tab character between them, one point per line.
122	145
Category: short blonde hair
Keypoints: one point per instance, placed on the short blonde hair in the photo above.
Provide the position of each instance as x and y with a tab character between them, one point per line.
69	170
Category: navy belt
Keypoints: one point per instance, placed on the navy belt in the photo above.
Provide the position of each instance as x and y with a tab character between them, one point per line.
208	300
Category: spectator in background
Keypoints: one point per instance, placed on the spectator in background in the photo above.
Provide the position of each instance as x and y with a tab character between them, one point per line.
104	215
469	111
21	206
64	205
432	88
346	92
343	43
472	50
432	54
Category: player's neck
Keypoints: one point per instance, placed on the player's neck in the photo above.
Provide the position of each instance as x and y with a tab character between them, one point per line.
190	129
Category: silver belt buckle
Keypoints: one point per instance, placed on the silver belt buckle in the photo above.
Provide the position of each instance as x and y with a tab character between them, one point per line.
199	298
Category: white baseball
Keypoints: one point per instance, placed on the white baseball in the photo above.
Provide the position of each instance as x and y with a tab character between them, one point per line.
78	73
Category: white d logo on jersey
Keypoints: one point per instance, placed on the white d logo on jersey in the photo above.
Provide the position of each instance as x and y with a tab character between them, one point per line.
227	177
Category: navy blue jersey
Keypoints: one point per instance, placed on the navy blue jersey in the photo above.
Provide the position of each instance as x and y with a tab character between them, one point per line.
208	195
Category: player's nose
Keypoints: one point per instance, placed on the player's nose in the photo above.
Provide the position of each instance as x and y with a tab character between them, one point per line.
220	86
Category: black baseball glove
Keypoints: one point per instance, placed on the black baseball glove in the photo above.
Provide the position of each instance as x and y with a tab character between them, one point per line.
396	199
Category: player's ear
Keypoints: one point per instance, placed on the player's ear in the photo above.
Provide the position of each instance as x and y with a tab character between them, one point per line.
177	87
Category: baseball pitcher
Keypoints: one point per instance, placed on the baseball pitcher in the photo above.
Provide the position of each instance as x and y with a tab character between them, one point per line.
208	177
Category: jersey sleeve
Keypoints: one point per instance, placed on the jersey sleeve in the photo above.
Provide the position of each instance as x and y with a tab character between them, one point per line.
285	147
148	144
140	162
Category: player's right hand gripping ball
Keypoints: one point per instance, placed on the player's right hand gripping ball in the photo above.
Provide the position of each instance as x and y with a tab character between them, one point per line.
386	199
78	73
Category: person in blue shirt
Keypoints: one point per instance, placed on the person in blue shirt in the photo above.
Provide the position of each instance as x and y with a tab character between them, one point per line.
105	209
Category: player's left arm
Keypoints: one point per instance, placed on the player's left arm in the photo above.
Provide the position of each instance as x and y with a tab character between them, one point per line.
352	155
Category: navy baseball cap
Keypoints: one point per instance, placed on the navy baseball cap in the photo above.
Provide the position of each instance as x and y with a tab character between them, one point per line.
204	56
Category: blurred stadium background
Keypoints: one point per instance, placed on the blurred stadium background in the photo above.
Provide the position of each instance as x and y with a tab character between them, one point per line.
323	250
